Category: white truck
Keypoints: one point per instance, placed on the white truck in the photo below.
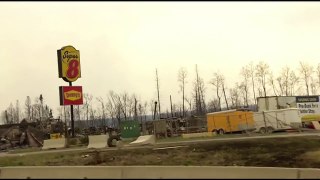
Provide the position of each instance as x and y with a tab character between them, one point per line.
277	120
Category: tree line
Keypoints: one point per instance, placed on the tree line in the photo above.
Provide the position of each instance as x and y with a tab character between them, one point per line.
254	80
31	112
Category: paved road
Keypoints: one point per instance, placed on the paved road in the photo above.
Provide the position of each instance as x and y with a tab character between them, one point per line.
164	144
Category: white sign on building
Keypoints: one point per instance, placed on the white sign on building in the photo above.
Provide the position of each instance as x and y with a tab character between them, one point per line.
309	107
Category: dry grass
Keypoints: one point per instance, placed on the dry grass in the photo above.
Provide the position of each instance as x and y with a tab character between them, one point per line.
281	152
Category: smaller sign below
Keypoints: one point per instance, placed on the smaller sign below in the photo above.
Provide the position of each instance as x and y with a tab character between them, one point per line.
70	95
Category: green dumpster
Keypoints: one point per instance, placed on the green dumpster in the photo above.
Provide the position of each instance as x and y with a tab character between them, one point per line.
130	129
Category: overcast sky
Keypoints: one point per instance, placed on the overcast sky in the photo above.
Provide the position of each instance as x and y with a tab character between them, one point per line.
122	43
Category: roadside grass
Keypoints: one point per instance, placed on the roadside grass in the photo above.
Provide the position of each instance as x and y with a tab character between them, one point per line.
83	142
67	158
277	152
180	138
26	150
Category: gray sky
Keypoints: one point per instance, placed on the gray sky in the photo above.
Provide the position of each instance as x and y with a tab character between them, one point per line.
122	43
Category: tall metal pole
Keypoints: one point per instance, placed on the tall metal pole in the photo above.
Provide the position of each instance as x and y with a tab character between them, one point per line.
154	116
171	107
72	120
155	110
158	93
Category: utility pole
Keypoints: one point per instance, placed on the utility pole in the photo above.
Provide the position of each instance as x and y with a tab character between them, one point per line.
158	92
198	99
171	107
154	116
6	114
135	109
41	101
155	110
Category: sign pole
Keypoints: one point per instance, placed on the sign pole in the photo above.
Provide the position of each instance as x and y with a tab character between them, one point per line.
69	71
72	121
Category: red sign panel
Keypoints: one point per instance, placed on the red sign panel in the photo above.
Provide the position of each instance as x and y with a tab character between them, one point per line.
70	95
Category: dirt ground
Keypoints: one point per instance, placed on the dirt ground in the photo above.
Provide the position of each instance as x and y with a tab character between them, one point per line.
302	152
282	152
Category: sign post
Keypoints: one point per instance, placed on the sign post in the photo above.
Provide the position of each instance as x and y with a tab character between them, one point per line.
69	71
309	107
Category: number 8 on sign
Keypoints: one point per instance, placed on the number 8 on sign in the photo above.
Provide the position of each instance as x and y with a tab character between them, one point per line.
73	69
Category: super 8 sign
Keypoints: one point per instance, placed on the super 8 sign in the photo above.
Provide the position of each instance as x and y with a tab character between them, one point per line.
69	63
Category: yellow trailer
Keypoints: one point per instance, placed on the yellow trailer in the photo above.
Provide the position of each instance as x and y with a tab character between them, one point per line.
237	120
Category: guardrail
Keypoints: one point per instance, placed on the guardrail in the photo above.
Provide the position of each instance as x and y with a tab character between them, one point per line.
157	172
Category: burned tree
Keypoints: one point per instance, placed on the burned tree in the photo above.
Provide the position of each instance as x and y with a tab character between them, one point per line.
245	73
182	80
262	70
198	94
157	79
285	80
293	81
234	95
251	69
306	70
224	90
272	83
100	100
28	107
216	81
87	102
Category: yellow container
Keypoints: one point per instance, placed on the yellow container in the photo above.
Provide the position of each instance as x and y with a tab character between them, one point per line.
230	121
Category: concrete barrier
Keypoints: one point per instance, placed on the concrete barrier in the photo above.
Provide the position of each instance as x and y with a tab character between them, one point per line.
54	143
193	135
157	172
309	173
207	172
60	172
98	141
144	140
316	125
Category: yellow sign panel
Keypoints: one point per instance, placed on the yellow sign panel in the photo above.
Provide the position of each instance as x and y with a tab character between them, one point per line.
69	63
72	95
55	136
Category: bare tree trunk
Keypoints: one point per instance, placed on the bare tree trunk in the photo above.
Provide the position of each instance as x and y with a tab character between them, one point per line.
219	100
307	72
182	79
199	93
218	82
247	97
225	97
252	80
